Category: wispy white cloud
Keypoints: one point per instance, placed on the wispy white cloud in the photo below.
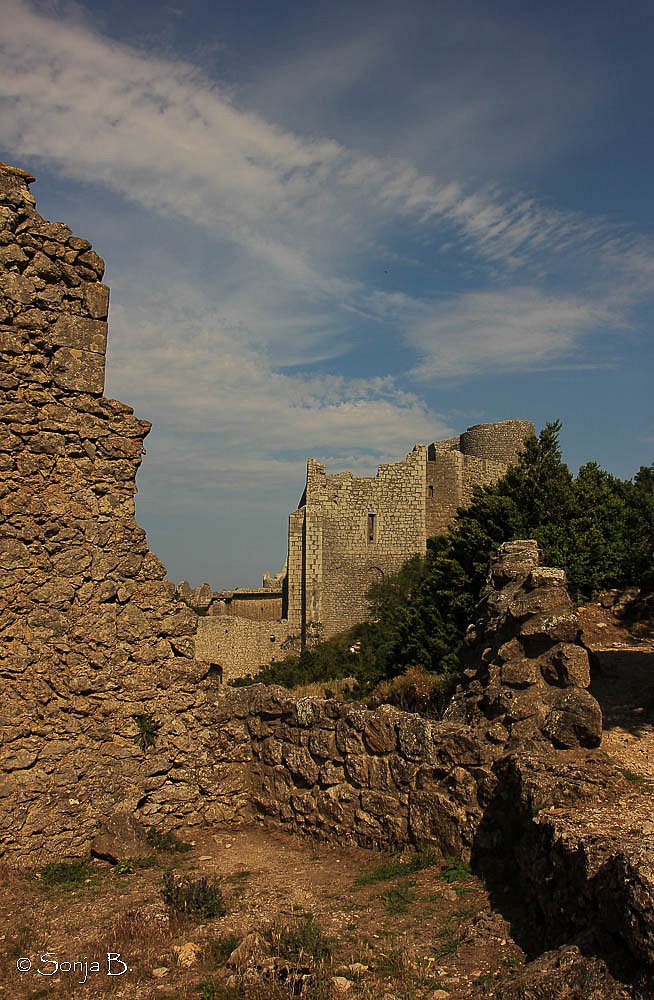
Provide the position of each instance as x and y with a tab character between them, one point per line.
514	330
196	376
163	134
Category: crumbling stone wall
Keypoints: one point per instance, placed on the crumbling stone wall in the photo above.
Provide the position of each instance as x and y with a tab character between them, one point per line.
242	646
90	636
349	531
529	672
478	457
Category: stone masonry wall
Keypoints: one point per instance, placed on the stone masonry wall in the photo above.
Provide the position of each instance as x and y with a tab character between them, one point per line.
337	551
241	646
90	636
478	457
378	778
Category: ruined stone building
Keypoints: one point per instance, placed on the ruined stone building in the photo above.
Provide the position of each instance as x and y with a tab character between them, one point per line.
349	531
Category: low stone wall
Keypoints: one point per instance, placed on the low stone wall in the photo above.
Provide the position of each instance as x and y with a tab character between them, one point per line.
378	778
241	646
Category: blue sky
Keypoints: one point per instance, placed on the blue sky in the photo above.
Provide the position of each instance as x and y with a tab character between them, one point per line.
335	230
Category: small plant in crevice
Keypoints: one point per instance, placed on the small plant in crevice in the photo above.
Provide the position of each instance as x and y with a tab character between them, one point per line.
166	841
201	898
147	727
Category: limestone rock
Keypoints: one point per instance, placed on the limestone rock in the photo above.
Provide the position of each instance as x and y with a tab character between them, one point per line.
565	974
575	720
523	650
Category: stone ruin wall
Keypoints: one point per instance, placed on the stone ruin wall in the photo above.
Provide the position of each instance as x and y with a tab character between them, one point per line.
332	561
241	646
478	457
89	633
258	604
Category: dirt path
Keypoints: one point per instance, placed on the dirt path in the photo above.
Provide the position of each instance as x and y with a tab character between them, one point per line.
405	936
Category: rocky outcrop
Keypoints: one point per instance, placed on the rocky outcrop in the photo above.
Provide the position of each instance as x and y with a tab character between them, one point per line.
529	672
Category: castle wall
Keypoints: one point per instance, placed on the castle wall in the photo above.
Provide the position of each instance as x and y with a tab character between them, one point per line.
238	645
90	635
354	531
260	606
478	457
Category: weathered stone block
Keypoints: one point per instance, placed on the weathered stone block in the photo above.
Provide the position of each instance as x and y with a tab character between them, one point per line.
379	734
414	736
566	665
96	299
301	765
520	673
79	370
437	821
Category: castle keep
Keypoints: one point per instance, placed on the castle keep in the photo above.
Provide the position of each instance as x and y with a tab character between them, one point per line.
349	531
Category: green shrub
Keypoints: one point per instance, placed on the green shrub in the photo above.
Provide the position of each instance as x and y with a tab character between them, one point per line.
166	841
201	898
66	875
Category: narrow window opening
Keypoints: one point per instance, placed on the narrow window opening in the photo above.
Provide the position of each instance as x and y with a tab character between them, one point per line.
372	527
430	491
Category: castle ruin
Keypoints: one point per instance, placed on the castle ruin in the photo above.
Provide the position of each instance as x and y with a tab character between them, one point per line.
348	532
